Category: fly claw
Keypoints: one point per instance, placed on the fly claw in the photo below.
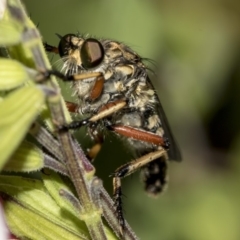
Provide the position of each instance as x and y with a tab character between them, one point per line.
112	86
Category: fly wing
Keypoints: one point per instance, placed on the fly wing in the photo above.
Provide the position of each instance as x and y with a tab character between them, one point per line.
173	152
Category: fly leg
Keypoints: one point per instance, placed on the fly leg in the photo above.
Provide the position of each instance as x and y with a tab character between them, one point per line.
50	48
98	139
126	170
93	132
105	111
131	167
128	132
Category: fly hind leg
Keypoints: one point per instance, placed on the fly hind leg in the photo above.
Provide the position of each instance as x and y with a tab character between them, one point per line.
128	169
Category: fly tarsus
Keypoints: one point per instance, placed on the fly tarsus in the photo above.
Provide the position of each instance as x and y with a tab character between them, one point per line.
73	125
50	48
117	195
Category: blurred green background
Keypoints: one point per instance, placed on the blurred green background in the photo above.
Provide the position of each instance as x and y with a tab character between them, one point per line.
196	49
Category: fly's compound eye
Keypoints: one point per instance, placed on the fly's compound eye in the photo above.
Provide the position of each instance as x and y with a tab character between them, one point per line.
65	44
92	53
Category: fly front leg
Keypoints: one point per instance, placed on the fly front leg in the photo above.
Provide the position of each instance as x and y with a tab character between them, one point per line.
96	89
94	94
74	77
50	48
128	169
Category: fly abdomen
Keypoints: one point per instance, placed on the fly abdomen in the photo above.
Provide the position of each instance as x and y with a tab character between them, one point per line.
155	176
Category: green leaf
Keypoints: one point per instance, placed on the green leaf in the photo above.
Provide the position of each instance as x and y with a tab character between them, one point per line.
54	183
26	223
10	34
27	158
12	74
32	212
17	113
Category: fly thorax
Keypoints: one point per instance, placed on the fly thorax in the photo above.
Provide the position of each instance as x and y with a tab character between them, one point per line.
113	86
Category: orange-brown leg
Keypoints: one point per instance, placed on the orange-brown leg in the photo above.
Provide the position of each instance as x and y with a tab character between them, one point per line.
140	135
93	151
98	139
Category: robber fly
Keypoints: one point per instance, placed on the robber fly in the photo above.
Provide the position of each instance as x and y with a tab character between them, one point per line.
113	88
